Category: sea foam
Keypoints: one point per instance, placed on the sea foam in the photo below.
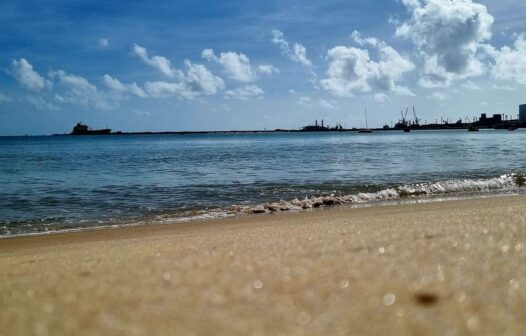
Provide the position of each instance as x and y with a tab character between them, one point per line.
428	190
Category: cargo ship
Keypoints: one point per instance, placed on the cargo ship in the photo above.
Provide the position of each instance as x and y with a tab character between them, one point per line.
83	129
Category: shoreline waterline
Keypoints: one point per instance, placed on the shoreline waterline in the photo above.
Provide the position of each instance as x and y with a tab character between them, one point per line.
248	216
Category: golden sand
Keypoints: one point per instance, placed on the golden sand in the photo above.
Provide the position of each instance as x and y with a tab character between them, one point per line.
443	268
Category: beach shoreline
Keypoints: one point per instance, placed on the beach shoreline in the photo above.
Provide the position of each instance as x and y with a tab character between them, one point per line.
451	267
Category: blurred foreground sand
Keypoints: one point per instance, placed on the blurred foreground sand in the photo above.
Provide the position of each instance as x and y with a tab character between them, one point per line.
443	268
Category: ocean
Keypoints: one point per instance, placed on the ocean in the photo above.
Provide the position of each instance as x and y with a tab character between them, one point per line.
50	183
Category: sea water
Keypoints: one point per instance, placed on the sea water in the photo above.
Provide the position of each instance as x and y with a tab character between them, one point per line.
54	183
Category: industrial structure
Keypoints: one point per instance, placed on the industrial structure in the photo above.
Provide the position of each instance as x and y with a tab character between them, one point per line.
522	114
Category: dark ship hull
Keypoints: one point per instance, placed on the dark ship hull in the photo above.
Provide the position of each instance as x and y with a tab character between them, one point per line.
93	132
82	129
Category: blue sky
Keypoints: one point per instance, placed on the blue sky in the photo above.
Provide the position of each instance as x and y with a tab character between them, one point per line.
220	65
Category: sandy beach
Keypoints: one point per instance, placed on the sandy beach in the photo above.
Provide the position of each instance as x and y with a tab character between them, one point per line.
441	268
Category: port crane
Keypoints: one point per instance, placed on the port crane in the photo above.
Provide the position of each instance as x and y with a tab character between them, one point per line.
416	121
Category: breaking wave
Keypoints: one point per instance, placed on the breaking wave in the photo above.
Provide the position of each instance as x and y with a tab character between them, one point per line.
508	183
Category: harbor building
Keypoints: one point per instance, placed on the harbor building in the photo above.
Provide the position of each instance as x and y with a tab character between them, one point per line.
484	120
522	113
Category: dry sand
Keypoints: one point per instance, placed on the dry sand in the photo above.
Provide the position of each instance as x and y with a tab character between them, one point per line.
444	268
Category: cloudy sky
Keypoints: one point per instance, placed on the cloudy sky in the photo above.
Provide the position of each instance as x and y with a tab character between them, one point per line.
221	65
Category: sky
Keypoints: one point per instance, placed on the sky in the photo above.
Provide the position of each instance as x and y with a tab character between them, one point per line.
225	65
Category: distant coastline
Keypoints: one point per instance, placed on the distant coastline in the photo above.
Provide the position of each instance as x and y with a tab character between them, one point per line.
497	121
429	127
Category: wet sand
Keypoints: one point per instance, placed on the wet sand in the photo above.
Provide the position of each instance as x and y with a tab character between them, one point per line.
443	268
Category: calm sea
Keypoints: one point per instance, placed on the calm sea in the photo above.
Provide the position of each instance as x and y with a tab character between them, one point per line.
55	183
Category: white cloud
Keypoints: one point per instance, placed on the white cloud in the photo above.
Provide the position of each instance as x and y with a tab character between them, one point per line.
327	104
244	93
78	90
296	53
267	69
104	43
439	96
305	101
196	81
502	87
318	103
161	63
161	89
360	40
23	72
471	86
352	70
41	104
73	82
448	36
236	65
117	86
510	63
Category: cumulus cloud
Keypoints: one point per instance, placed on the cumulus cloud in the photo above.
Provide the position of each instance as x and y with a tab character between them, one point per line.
23	72
352	70
296	52
197	80
161	63
363	41
244	93
117	86
267	69
510	63
236	65
78	90
448	36
161	89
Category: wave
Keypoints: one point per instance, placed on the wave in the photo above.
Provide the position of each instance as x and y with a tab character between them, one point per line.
513	182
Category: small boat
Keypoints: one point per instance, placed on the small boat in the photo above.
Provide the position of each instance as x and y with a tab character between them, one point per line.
366	129
407	129
512	128
473	129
